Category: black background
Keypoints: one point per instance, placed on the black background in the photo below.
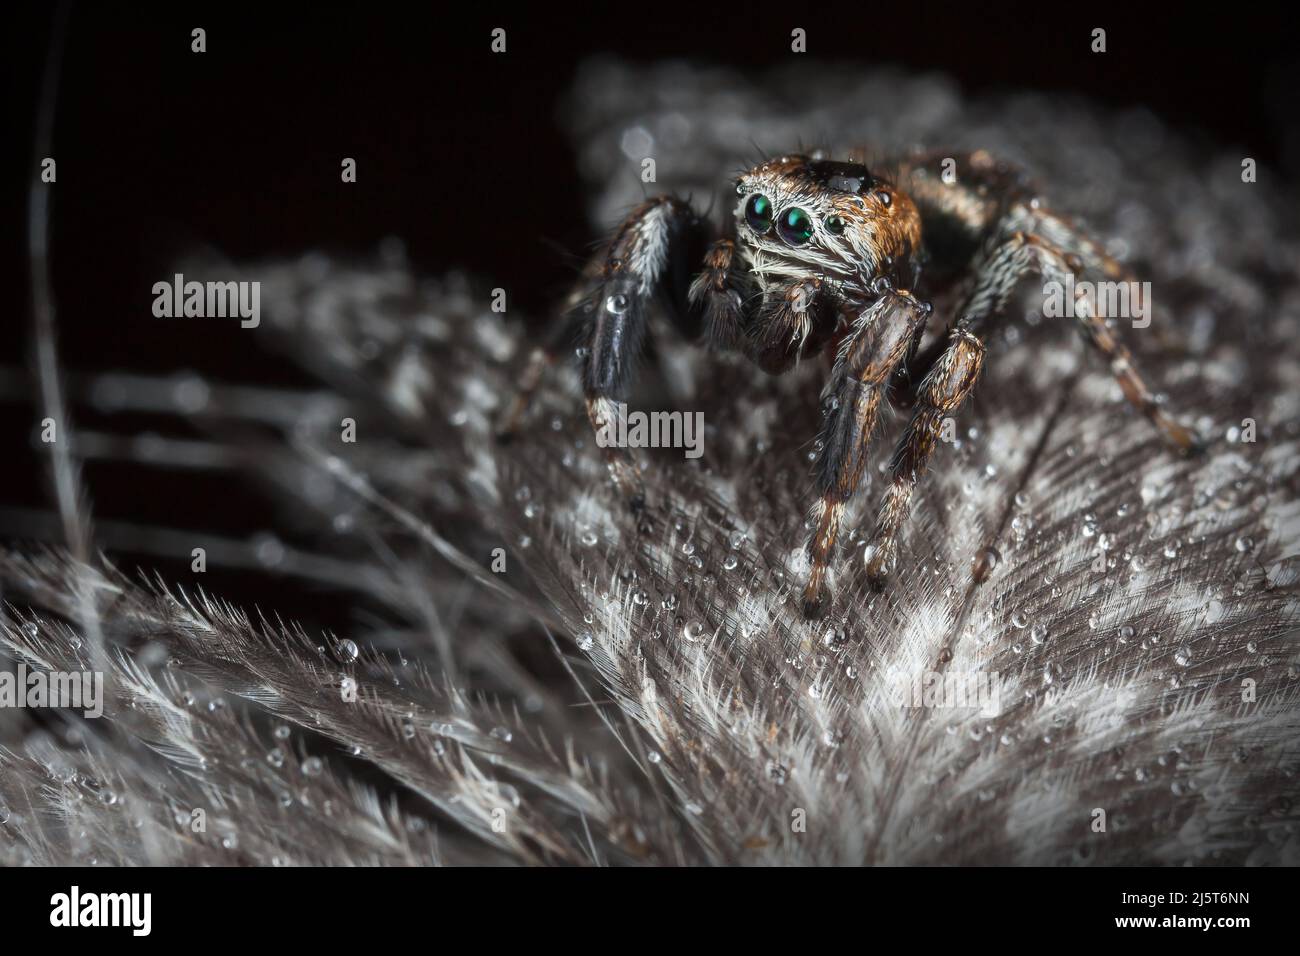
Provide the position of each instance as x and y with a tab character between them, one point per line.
459	152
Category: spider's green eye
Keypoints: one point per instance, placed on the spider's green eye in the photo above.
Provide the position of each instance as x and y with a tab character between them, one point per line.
758	213
835	225
795	226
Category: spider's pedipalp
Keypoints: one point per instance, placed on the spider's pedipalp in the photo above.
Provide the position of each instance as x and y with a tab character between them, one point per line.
791	322
719	293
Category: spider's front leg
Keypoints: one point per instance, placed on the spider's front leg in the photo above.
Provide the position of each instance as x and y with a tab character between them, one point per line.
654	250
877	345
942	392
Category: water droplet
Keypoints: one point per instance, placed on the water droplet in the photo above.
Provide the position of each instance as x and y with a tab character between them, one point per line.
654	756
985	563
729	562
1127	633
693	631
269	550
586	642
282	732
1038	633
1245	544
1182	657
275	757
348	651
669	602
502	734
616	304
589	538
312	766
1019	620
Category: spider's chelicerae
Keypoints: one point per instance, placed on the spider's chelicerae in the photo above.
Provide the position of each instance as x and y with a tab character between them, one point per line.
825	255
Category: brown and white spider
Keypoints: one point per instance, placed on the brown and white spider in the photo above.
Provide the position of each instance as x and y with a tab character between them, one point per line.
824	255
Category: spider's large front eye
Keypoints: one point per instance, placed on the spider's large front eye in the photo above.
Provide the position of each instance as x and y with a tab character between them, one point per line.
758	213
795	226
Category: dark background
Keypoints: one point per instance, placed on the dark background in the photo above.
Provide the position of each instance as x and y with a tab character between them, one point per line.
459	153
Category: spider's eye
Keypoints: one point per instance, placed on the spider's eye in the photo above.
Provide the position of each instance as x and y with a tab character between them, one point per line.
758	213
835	225
795	226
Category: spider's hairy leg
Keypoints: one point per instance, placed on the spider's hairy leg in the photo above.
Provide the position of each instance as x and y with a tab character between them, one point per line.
961	202
1067	237
878	344
962	199
1070	238
1054	264
654	250
942	392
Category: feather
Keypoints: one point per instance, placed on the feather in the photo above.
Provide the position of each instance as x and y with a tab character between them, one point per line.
615	697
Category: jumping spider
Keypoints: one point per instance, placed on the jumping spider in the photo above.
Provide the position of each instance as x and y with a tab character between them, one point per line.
825	255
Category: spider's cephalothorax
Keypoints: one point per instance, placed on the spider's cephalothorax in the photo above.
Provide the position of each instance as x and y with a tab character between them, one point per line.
820	255
816	239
